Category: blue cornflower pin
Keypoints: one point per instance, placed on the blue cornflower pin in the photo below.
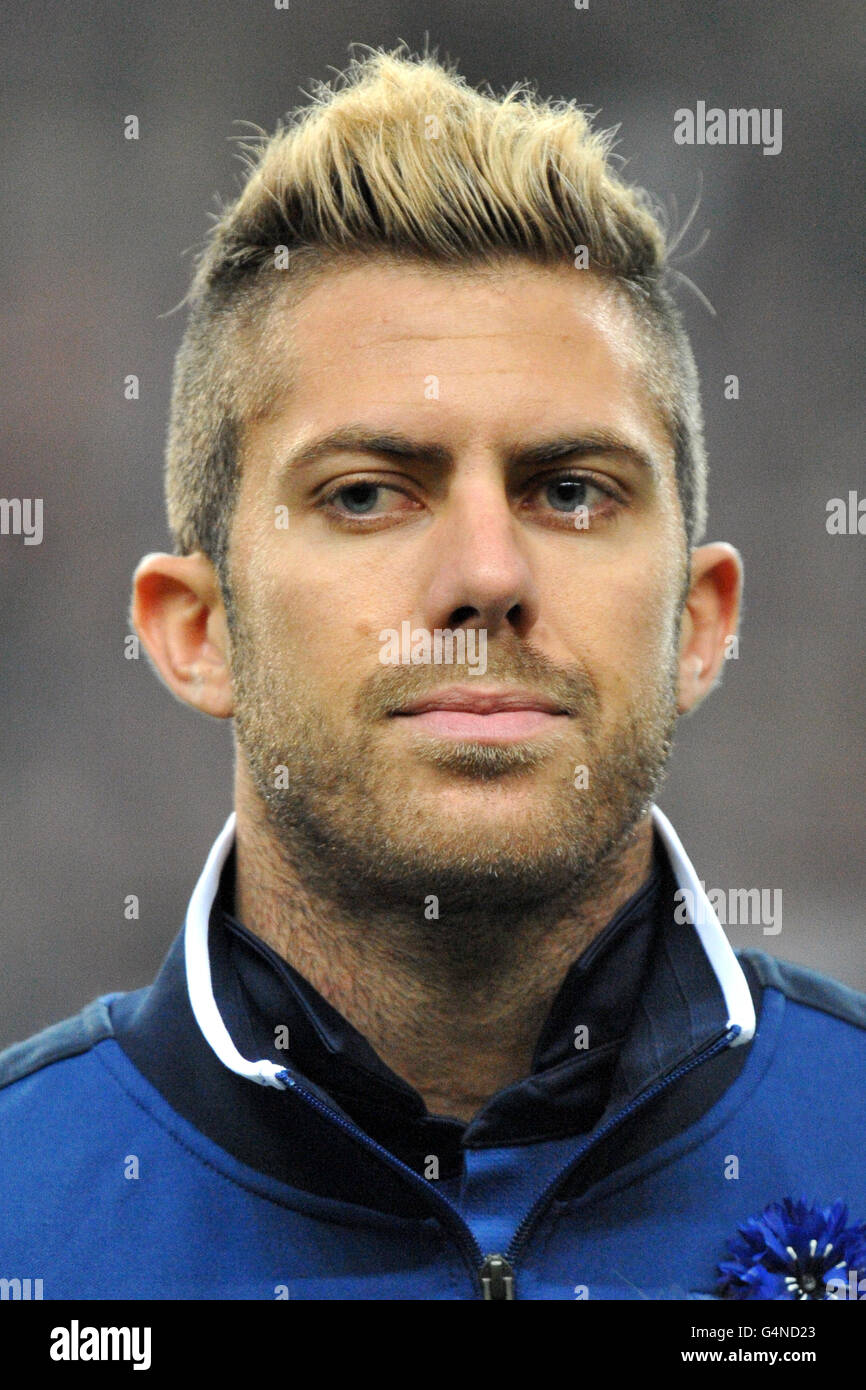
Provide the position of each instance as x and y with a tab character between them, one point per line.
794	1250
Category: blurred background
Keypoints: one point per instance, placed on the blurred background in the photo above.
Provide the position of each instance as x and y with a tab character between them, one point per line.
109	786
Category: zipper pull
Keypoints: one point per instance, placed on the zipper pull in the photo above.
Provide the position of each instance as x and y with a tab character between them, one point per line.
497	1278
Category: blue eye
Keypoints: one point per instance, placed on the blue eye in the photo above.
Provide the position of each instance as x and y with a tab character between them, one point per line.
359	498
564	494
367	501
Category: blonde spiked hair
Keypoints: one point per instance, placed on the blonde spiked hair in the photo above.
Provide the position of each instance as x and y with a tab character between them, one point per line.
402	158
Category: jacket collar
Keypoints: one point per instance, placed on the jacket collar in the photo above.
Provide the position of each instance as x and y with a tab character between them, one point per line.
716	946
710	940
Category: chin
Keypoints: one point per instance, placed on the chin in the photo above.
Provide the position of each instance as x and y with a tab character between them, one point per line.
492	878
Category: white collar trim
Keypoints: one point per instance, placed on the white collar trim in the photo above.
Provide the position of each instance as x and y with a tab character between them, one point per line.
732	981
720	953
198	974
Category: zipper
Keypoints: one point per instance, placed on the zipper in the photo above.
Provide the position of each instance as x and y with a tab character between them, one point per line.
495	1272
497	1279
521	1235
468	1245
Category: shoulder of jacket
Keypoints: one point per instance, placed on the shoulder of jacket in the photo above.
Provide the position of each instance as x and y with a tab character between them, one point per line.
69	1038
808	987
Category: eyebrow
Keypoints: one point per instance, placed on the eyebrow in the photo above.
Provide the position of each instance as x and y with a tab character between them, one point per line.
359	439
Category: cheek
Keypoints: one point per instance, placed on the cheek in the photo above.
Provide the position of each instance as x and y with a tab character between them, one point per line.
619	625
323	630
314	612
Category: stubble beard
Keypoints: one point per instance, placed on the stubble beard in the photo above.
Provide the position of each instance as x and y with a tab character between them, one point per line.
362	826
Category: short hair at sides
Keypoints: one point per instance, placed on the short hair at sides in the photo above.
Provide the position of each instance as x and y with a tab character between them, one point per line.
401	157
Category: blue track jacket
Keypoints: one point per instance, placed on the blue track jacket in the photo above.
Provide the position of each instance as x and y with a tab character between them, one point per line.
108	1191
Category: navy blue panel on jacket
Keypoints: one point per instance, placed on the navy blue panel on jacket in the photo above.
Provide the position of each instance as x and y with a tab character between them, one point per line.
258	995
161	1144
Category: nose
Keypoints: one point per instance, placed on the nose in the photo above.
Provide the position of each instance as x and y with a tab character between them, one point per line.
480	574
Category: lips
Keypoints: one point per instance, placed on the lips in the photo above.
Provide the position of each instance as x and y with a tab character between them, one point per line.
492	716
481	702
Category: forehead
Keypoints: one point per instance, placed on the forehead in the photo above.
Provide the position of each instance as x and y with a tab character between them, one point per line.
512	349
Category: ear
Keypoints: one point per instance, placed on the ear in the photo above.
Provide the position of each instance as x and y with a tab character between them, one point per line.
711	616
178	612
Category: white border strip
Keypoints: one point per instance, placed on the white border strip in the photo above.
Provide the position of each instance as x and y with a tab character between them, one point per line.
198	975
734	985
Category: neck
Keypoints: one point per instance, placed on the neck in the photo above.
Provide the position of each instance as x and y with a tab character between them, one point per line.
457	1024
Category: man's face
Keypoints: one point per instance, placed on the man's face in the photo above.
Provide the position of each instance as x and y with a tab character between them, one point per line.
570	568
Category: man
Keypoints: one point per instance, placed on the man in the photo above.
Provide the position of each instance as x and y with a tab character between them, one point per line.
435	1027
